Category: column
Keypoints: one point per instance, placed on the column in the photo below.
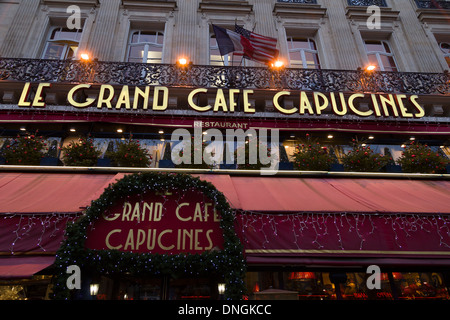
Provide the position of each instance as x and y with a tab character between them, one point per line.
19	29
187	31
100	44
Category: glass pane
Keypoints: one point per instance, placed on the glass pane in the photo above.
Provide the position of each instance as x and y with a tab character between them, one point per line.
296	59
355	288
71	52
373	60
54	51
312	60
154	56
374	46
148	37
299	43
136	54
388	63
420	286
66	34
190	289
160	39
445	47
135	37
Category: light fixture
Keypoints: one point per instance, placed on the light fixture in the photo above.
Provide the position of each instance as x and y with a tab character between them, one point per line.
94	289
371	68
412	138
371	137
161	131
221	288
119	130
442	147
363	144
403	146
85	57
330	136
277	64
73	130
23	128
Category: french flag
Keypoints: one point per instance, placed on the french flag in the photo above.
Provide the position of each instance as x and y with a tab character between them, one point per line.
249	44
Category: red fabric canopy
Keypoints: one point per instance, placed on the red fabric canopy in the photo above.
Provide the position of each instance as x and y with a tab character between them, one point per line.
275	194
23	267
50	192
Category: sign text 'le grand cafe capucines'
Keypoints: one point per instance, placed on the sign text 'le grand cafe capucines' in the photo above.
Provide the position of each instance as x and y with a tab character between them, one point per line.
224	230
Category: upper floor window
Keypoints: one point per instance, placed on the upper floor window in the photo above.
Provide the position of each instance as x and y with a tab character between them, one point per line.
445	48
62	43
216	59
380	55
303	53
145	47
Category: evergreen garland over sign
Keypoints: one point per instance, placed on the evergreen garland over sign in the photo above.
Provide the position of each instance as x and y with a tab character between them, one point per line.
227	264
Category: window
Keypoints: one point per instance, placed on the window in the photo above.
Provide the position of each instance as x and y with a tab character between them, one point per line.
216	59
146	47
445	48
380	55
62	44
303	53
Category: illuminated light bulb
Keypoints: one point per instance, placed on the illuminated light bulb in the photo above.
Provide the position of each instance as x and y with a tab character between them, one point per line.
371	68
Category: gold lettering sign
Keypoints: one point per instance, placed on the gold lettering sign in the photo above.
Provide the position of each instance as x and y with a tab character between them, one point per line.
226	101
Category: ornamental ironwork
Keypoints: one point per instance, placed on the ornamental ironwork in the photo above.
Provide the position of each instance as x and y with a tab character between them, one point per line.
299	1
435	4
367	3
171	75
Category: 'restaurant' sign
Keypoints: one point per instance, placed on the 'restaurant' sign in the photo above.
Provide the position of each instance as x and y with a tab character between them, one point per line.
168	223
225	102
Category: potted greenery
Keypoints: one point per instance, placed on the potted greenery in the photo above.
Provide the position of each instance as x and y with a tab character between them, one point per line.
129	153
81	153
24	150
244	151
363	159
193	148
311	156
420	158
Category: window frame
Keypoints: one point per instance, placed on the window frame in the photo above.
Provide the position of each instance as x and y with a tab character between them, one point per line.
378	54
228	59
147	45
305	65
65	42
445	54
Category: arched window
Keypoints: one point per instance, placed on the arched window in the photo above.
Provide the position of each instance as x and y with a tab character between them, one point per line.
380	55
445	48
303	53
62	43
145	47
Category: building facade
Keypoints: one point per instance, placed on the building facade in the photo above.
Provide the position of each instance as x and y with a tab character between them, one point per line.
350	75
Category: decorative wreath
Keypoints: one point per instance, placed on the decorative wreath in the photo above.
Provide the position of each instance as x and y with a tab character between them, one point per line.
227	264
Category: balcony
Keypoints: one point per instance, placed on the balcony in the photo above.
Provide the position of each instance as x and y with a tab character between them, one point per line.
299	1
203	76
367	3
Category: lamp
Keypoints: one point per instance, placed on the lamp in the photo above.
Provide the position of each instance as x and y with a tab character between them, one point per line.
85	57
371	67
221	288
94	289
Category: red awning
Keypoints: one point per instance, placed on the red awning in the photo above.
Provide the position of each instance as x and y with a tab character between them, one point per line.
50	192
23	267
275	194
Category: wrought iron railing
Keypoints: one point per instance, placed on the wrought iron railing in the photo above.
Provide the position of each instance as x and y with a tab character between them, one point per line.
366	3
299	1
433	4
171	75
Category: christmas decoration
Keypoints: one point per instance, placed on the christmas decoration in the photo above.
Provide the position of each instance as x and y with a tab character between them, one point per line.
310	155
129	153
82	153
251	155
227	264
421	159
363	159
24	150
192	148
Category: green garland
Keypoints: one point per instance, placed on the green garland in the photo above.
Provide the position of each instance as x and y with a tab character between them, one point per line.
228	264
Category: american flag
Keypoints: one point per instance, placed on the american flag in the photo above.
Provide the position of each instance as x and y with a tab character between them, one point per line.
257	47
